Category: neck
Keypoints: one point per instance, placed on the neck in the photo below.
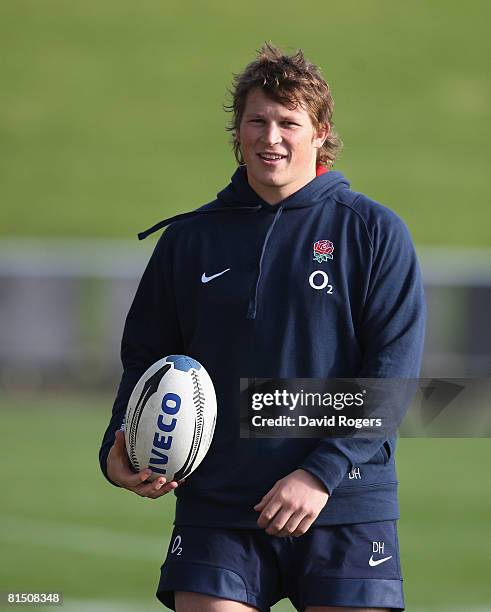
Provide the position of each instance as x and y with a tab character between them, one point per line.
273	194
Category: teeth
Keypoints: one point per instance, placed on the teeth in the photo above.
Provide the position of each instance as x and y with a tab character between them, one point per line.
266	156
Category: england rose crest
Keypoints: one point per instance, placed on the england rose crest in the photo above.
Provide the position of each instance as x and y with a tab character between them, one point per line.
323	250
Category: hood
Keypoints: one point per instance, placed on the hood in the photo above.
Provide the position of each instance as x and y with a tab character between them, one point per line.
239	193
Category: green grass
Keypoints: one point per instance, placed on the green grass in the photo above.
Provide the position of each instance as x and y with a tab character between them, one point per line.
111	113
64	528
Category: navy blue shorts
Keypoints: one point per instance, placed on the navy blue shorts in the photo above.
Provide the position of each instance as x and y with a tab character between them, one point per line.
340	565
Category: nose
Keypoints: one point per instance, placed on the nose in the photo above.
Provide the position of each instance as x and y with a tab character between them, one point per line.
271	134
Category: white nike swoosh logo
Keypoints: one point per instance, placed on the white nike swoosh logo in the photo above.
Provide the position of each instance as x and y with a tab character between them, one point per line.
373	563
207	279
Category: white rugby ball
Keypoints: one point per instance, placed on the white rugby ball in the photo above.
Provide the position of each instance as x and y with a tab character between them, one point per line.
170	418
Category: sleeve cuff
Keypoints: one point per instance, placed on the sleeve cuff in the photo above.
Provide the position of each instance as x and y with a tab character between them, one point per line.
104	452
329	471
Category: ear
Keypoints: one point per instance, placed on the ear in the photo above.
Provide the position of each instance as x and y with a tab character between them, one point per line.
321	135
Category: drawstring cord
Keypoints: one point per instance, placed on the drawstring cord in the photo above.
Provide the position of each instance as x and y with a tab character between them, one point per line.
252	309
195	213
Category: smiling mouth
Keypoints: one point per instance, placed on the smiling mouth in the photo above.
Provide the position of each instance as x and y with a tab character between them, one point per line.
270	159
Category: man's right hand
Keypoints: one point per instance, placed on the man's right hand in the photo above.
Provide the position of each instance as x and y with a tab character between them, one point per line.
120	472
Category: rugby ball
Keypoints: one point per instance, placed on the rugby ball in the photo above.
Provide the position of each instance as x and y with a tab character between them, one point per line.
170	418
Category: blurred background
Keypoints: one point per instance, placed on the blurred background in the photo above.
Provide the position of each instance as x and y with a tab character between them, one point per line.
111	118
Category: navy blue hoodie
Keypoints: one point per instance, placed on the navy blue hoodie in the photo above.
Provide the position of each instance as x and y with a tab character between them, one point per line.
264	319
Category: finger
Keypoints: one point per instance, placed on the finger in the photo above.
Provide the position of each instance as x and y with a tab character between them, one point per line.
303	526
157	488
260	505
167	488
268	514
279	522
145	489
120	471
291	524
132	480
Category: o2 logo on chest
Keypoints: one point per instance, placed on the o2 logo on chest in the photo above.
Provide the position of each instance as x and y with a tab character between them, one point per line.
320	280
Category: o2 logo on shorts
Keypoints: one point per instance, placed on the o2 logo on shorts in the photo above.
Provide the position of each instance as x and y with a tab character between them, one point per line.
320	280
176	546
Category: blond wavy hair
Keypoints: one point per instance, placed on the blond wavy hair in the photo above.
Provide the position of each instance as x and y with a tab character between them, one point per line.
290	80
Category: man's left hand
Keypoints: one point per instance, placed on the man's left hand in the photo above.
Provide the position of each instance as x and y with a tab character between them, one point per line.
292	505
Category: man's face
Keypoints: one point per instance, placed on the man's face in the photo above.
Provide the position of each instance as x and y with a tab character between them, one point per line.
267	130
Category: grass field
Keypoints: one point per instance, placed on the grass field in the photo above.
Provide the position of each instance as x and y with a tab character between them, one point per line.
111	112
111	119
64	528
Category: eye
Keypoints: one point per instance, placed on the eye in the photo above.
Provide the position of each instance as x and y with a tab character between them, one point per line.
256	120
289	123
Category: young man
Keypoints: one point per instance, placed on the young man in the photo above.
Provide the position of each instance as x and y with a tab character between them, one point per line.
236	284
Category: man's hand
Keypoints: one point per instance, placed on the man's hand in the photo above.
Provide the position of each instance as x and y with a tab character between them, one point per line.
120	472
292	505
